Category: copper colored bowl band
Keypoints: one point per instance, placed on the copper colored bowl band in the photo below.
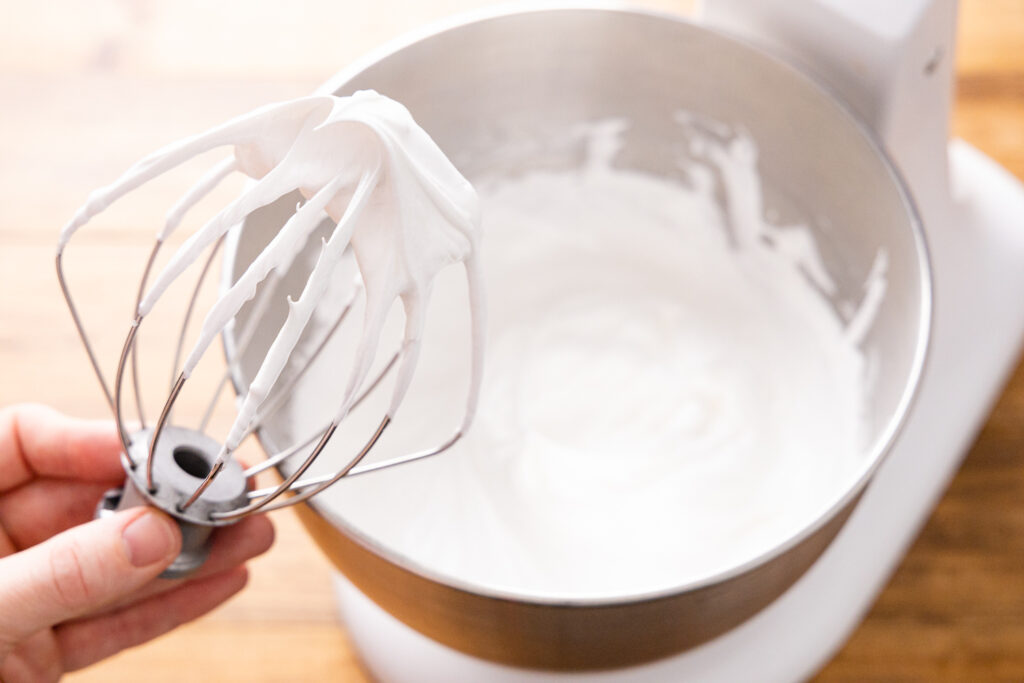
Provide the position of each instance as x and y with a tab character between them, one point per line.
549	636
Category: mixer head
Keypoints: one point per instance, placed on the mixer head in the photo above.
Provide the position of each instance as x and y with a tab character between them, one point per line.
403	213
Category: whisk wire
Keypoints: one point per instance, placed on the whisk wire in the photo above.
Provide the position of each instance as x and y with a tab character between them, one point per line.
242	343
286	484
135	350
158	430
327	480
129	342
82	333
281	392
214	471
278	458
265	502
183	331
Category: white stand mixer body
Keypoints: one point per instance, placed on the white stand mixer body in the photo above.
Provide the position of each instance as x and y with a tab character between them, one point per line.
892	63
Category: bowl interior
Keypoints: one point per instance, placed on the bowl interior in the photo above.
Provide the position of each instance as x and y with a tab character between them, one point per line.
502	95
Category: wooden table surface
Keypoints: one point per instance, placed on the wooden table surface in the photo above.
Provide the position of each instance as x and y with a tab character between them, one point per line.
87	88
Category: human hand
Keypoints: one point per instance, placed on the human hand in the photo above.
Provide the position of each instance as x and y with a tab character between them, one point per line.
74	591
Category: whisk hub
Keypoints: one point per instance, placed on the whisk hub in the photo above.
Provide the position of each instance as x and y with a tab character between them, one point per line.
182	459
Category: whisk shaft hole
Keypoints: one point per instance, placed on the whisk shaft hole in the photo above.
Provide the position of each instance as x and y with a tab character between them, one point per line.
191	461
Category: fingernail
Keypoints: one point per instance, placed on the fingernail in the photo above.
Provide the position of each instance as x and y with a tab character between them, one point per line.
149	539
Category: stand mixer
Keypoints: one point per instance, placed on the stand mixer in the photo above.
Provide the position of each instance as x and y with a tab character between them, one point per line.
892	65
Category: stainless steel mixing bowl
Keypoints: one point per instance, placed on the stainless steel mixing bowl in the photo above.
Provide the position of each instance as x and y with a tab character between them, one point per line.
500	94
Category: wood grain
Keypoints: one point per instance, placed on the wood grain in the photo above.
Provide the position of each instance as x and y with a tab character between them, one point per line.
86	88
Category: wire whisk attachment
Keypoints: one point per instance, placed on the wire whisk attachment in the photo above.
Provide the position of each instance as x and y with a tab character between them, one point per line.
402	213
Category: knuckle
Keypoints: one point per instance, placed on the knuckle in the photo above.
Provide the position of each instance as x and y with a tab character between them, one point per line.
68	578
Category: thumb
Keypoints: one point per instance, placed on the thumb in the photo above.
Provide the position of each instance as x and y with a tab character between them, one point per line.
83	569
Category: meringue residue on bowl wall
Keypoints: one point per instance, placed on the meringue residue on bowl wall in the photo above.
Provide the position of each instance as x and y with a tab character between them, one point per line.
669	390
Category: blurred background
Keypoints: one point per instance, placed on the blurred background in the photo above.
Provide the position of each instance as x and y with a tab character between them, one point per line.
89	86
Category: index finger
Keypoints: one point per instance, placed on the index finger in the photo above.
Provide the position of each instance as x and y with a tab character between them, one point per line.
37	441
